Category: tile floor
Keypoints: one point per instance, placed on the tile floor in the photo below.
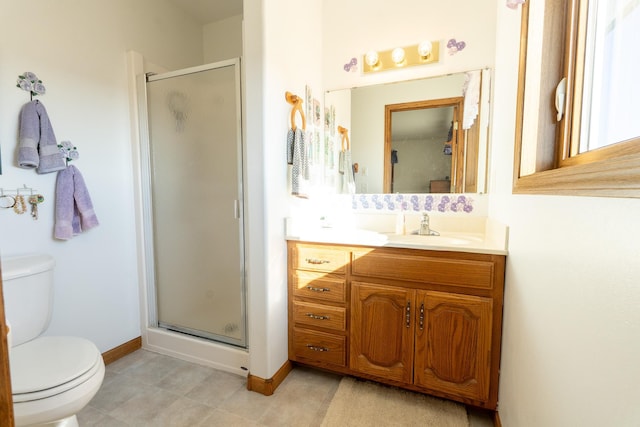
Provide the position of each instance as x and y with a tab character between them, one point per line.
150	389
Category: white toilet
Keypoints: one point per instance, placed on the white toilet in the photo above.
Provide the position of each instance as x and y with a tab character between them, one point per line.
52	377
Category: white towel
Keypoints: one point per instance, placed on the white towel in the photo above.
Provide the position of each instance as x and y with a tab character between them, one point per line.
471	92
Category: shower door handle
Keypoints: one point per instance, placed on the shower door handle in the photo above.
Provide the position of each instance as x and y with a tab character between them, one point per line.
236	209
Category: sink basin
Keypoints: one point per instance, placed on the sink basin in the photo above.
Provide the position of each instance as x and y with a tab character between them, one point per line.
344	235
442	240
469	235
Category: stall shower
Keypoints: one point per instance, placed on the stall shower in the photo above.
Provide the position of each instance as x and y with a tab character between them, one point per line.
192	192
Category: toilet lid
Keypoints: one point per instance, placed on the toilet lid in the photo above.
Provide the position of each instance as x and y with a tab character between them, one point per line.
49	362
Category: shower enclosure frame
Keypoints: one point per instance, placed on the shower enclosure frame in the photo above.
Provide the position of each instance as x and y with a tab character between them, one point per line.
147	208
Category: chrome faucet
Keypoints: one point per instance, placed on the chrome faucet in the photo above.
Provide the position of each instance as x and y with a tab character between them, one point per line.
425	229
424	225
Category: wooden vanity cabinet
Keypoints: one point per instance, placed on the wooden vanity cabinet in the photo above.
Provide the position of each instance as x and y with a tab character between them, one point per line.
425	320
318	309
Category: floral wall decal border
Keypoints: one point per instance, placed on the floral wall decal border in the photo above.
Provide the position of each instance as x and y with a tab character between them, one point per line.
413	202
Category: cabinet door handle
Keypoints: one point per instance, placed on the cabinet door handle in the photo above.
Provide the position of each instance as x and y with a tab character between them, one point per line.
314	289
317	261
316	348
422	316
408	314
317	316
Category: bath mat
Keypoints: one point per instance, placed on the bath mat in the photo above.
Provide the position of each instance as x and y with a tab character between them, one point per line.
365	403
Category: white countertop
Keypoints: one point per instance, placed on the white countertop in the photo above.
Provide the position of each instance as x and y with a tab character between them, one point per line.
479	235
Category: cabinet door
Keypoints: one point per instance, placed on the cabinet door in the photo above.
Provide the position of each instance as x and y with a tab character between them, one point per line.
453	344
382	330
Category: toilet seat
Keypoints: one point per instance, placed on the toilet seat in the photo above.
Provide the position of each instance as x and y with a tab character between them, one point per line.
48	366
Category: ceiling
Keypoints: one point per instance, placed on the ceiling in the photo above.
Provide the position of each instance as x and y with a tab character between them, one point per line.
207	11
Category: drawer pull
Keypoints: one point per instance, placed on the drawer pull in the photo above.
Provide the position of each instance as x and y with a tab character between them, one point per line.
316	348
314	289
422	316
317	261
317	316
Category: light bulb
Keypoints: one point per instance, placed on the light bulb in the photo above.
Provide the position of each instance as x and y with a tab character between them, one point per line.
372	58
397	55
424	48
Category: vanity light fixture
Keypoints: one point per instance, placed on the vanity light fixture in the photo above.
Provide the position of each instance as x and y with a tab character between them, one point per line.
371	58
398	55
426	52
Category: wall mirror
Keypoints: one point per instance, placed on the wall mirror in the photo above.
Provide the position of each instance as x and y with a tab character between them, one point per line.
414	136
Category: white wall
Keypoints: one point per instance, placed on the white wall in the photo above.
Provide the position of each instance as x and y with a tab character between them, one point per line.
572	301
283	40
351	28
78	48
222	39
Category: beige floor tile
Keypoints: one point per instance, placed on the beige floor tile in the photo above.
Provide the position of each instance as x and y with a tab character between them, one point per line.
216	388
182	413
246	404
185	378
143	408
148	389
116	392
224	419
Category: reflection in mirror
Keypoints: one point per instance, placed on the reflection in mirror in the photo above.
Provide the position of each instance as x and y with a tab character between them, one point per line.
424	135
364	109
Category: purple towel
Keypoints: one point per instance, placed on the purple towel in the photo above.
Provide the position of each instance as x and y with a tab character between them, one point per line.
37	146
74	211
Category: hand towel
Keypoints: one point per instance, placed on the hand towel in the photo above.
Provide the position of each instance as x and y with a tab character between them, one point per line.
74	210
347	177
298	158
37	146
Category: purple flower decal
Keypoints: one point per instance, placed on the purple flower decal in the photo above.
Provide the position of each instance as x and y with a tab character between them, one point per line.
513	4
351	65
455	46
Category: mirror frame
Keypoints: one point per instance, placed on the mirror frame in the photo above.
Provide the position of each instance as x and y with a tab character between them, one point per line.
458	160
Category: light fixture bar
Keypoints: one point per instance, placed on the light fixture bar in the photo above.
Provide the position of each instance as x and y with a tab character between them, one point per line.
411	58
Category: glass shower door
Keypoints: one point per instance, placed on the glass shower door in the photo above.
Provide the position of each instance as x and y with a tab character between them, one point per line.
196	201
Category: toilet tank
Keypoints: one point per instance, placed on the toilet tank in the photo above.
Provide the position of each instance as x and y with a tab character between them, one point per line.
27	282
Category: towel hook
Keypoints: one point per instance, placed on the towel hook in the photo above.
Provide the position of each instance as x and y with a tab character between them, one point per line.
29	82
296	102
344	133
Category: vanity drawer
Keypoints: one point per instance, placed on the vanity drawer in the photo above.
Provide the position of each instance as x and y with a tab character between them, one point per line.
319	347
321	316
319	286
443	271
315	258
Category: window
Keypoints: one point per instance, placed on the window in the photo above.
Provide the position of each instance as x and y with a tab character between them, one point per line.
578	118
